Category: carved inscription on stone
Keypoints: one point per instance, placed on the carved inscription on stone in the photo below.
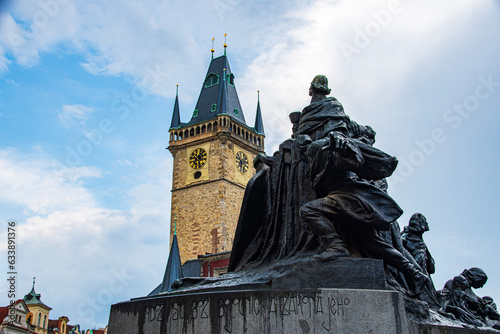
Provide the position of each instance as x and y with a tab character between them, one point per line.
282	311
245	311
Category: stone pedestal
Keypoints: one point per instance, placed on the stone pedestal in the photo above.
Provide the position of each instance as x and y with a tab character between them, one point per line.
264	311
300	295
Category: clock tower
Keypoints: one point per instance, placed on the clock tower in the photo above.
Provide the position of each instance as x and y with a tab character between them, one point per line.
213	161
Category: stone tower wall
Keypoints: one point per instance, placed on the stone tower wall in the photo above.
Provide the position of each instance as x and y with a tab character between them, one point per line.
207	209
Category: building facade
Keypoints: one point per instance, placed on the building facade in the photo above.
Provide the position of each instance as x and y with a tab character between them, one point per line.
14	319
39	312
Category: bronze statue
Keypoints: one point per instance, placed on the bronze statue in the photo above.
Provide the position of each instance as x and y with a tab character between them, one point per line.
414	242
322	198
320	181
340	167
459	301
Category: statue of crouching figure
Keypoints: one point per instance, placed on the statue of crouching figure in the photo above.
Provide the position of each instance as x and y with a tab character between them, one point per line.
460	302
340	169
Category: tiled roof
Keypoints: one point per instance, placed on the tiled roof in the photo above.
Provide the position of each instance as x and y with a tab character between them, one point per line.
173	270
218	96
4	312
176	116
33	298
53	323
259	125
191	268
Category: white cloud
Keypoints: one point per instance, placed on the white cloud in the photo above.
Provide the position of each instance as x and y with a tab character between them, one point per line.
381	69
125	162
72	243
41	184
4	62
75	114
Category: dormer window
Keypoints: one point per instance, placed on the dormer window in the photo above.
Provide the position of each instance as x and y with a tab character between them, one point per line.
236	112
211	80
230	79
213	108
195	113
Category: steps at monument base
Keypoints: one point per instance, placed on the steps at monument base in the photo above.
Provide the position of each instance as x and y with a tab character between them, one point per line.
439	329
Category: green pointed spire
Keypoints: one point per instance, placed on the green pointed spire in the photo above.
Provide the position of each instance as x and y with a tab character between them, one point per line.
259	124
176	115
175	224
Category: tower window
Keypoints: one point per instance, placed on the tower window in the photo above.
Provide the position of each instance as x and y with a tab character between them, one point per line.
211	80
195	113
236	112
213	108
230	79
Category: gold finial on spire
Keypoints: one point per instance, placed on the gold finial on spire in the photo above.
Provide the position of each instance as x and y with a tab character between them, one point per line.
225	45
177	90
258	95
212	47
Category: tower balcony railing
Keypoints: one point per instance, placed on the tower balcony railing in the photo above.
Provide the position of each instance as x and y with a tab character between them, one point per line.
223	123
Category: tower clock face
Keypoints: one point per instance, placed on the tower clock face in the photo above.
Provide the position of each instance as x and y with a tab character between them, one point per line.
241	162
198	158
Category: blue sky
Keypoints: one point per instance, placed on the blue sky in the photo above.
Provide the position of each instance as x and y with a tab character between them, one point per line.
86	98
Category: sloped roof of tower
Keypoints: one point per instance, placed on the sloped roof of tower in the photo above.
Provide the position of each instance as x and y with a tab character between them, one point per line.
259	124
173	270
218	94
33	298
176	116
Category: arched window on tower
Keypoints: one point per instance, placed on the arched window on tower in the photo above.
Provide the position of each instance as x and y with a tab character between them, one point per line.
209	127
211	80
39	319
